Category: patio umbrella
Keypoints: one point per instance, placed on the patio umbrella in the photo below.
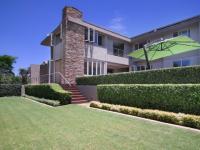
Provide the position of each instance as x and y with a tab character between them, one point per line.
165	48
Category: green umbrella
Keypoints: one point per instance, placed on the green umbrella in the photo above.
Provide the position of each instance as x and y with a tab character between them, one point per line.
165	48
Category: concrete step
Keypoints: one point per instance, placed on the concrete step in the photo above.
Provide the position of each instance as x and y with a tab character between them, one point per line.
79	102
75	96
78	98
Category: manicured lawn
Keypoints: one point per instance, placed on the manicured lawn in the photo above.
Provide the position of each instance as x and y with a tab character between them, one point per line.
28	125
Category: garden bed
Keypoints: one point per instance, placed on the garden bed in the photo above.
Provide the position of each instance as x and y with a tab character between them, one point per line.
192	121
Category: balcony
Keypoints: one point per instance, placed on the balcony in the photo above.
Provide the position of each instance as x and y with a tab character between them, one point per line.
95	52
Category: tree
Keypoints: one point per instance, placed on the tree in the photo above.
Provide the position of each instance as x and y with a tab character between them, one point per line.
23	72
6	64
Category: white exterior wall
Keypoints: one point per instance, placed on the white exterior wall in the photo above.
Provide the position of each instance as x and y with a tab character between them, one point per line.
58	51
117	60
100	53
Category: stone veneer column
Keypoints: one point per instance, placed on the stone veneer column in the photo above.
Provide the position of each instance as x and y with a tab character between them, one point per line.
73	45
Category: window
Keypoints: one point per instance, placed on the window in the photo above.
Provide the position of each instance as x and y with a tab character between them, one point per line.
57	39
93	67
85	67
183	33
181	63
136	46
185	62
118	49
141	45
98	39
175	34
177	63
140	67
91	35
90	68
86	34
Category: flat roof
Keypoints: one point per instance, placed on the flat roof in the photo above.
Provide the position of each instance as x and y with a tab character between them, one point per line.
156	30
46	41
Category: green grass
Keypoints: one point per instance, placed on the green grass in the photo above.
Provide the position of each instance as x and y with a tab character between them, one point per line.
28	125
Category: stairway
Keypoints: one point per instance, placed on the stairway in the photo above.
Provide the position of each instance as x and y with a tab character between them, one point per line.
77	97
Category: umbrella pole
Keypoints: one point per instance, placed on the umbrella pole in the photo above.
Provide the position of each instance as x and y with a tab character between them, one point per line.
146	57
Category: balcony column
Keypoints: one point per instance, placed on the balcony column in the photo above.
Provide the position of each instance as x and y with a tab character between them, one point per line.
100	68
105	68
96	67
92	67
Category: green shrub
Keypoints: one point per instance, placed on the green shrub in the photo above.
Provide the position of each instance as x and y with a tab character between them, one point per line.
49	91
10	90
162	76
191	121
168	117
183	98
53	103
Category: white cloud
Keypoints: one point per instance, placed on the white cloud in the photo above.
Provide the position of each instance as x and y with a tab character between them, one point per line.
117	25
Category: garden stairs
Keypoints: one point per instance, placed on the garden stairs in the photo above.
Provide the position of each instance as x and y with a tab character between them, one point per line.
77	97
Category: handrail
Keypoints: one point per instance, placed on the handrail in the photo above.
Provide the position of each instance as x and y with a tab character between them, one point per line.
60	75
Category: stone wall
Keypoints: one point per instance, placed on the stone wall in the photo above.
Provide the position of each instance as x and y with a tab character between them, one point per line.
73	45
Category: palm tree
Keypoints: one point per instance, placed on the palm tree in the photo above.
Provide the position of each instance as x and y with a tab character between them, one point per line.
23	72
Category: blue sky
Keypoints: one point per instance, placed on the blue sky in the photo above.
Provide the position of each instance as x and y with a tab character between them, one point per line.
24	23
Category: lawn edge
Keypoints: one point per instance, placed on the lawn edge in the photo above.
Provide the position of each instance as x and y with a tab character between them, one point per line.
149	120
36	102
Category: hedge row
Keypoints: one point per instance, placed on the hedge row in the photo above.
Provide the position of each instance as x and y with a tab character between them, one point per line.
53	103
10	90
49	91
162	76
174	118
183	98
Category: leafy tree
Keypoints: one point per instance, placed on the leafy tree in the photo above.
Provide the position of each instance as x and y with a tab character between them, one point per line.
6	64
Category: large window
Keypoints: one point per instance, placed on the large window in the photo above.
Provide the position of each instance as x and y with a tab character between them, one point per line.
118	49
94	67
140	67
180	63
183	33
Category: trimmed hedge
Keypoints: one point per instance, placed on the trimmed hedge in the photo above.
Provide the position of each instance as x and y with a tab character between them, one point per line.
162	76
169	117
10	90
183	98
53	103
49	91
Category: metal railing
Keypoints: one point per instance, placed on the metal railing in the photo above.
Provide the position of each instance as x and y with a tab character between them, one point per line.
56	77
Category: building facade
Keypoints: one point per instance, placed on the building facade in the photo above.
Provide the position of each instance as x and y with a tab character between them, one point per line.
80	48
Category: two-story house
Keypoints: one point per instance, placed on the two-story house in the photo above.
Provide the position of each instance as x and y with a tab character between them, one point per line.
80	48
